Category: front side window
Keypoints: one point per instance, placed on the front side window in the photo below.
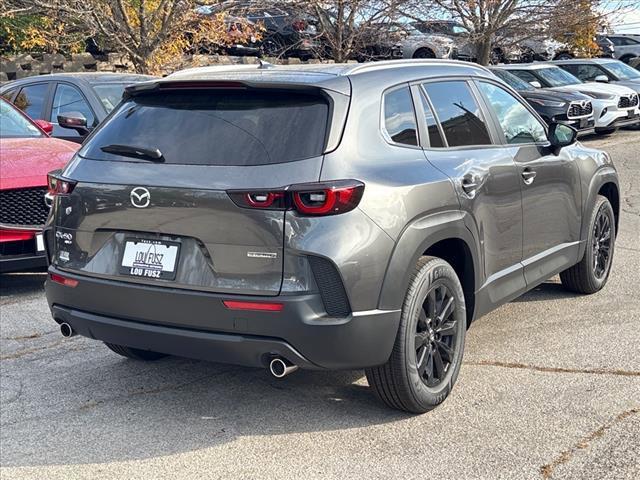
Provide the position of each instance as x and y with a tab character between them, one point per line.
31	100
622	71
458	113
525	76
399	117
69	99
518	124
586	73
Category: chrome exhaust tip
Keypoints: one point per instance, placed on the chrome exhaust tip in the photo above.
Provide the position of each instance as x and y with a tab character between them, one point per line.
67	330
279	367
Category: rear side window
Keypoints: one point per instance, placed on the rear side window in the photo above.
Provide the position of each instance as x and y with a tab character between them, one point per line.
458	113
399	117
240	128
31	100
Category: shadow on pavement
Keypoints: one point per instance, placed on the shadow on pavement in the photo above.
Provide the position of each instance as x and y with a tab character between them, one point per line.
546	291
21	283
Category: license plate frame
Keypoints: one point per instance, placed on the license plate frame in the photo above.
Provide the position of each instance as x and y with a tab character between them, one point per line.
146	261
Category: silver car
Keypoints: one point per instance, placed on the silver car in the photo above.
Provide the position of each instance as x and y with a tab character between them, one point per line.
626	47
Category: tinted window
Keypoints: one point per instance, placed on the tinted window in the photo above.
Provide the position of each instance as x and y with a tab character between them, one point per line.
586	73
8	95
31	100
69	99
518	124
458	113
109	94
14	124
435	139
514	82
218	127
525	76
399	117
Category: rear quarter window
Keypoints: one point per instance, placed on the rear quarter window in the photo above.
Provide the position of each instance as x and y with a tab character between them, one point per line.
234	128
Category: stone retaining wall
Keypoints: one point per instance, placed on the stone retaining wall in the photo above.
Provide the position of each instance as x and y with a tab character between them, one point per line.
25	65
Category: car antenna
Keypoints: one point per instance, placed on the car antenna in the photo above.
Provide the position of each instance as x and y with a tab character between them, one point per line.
263	65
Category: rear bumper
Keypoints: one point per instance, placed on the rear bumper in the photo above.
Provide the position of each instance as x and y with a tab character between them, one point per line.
198	325
17	263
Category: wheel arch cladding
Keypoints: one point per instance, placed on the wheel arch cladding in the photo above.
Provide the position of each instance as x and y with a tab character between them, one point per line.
451	241
610	191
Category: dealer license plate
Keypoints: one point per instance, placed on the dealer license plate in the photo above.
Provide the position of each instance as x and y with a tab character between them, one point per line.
150	258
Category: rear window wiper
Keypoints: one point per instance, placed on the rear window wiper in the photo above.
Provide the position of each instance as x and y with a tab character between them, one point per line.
152	154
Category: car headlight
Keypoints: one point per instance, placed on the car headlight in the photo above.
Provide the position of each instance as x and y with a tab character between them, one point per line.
600	96
547	103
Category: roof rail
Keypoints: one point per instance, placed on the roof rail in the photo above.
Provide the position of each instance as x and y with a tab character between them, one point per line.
412	62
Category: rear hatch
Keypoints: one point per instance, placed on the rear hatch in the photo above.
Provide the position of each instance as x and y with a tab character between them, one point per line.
151	202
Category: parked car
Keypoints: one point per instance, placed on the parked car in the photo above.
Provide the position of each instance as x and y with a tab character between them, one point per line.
75	103
287	250
626	47
635	63
544	49
286	31
27	155
418	44
502	52
603	71
614	106
569	108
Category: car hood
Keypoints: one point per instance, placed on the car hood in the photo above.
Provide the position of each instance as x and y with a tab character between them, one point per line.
554	95
632	84
596	88
26	161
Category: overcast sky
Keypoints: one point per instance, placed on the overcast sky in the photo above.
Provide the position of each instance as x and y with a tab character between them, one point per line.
629	21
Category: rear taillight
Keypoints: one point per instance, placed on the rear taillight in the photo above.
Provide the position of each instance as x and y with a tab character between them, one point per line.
67	282
58	185
325	198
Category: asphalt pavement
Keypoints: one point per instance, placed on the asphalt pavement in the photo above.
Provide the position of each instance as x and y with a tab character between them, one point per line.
550	388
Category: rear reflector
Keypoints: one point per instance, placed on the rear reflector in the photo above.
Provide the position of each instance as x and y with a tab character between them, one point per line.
67	282
259	306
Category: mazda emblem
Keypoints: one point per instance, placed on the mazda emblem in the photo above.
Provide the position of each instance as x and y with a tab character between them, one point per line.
140	197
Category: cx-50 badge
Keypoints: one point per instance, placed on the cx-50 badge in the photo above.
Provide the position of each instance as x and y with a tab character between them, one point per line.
140	197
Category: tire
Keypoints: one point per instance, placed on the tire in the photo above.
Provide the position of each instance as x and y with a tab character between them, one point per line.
424	53
605	131
626	59
135	353
402	383
587	276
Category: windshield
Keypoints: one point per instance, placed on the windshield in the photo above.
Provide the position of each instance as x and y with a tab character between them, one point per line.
215	127
622	70
557	77
15	125
109	94
513	81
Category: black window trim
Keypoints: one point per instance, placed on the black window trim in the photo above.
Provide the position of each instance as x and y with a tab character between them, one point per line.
494	134
496	121
383	126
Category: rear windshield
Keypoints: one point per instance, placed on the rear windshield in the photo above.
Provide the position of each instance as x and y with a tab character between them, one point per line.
242	128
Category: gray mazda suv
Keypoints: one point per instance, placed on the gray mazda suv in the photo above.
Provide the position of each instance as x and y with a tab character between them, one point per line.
323	217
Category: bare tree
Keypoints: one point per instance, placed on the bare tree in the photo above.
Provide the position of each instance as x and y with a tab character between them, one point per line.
346	26
149	31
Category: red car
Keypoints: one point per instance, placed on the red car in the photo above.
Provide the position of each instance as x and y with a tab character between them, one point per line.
27	154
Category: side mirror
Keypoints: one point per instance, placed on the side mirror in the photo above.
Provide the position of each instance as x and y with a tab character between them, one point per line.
75	121
561	135
602	79
45	126
535	84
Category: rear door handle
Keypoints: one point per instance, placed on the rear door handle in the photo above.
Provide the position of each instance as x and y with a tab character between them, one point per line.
528	176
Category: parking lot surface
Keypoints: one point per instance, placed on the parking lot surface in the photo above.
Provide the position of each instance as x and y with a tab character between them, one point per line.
550	388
